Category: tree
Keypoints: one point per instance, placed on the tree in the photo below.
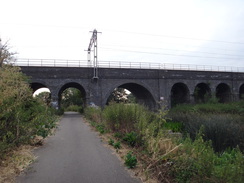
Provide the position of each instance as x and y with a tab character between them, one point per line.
5	55
21	116
71	96
44	97
119	95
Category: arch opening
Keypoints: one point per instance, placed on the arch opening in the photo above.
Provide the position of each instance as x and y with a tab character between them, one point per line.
202	93
179	94
223	93
72	96
241	92
132	93
41	92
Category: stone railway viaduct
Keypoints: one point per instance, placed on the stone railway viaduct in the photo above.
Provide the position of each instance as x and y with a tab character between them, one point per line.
149	86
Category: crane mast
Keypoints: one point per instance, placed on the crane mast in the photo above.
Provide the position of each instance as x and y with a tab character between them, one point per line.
93	42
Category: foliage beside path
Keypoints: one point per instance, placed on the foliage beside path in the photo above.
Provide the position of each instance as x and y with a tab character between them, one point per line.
22	117
162	154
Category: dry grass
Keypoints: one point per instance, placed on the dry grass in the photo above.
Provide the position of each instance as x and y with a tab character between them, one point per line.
16	161
139	170
19	159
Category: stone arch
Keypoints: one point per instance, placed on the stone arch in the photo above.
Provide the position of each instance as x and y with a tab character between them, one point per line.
223	93
202	93
38	89
72	85
35	86
142	94
179	94
241	92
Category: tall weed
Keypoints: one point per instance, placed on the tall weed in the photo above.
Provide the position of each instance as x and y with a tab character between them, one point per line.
185	160
93	114
196	161
224	130
125	117
212	108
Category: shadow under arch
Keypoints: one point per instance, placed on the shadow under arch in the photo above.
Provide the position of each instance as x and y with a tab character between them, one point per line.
223	93
142	94
241	92
202	93
35	86
179	94
72	85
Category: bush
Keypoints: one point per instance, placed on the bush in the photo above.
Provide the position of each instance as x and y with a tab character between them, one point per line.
196	161
100	127
21	116
59	112
224	130
117	145
111	142
125	118
223	123
75	108
174	126
118	135
93	114
212	108
130	160
131	138
187	160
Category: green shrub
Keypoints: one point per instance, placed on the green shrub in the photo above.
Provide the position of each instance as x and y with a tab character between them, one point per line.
192	159
117	145
59	112
130	160
123	117
21	116
75	108
131	138
229	166
111	142
213	108
223	122
174	126
101	128
93	114
196	161
224	130
118	135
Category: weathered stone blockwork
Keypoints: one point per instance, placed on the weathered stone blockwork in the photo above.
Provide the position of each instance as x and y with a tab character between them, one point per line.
149	86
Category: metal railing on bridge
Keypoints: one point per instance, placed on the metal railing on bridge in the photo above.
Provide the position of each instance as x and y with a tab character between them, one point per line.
123	64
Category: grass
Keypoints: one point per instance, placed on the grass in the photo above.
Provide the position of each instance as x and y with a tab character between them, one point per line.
223	123
196	161
75	108
15	162
188	159
211	108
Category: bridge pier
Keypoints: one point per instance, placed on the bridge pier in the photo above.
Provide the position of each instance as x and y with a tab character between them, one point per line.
95	93
192	98
55	101
235	97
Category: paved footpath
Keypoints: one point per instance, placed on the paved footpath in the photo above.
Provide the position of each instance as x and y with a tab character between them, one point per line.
75	154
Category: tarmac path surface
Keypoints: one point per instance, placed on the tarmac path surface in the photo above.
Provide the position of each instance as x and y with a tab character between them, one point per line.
75	154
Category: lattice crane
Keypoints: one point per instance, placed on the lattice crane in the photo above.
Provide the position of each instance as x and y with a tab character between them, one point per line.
93	42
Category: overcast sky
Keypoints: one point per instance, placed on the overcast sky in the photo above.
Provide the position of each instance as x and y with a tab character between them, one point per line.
201	32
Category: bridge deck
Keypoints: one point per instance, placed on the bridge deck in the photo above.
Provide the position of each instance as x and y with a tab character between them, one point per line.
124	64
